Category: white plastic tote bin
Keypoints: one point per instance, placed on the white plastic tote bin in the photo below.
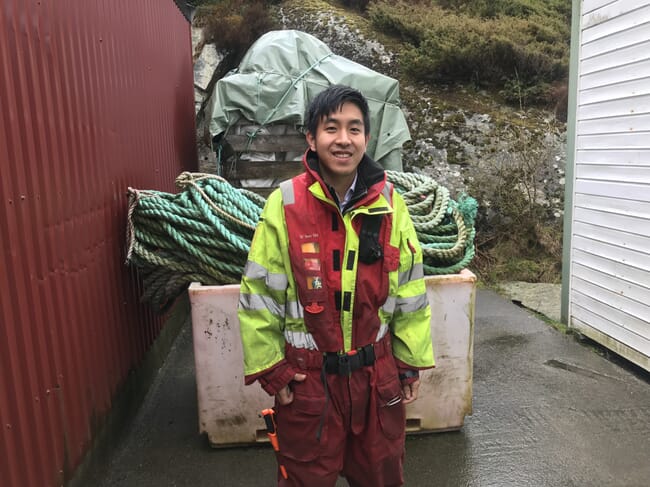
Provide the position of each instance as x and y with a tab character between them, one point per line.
229	412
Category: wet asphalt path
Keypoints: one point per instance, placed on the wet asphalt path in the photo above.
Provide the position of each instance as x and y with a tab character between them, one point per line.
548	411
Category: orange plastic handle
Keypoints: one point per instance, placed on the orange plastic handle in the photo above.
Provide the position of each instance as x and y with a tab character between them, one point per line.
269	417
274	441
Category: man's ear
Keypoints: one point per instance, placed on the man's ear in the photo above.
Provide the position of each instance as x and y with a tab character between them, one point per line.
311	140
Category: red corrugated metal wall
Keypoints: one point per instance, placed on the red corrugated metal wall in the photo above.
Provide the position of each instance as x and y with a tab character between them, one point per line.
95	96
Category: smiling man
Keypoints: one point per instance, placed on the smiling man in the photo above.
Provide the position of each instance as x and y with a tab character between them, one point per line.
333	311
339	139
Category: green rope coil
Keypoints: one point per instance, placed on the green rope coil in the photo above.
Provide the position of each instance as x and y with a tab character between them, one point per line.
203	233
445	228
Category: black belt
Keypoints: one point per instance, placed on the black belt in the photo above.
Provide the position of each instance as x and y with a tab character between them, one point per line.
346	363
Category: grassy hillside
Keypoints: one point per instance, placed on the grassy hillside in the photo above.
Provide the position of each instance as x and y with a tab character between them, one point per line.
519	47
481	84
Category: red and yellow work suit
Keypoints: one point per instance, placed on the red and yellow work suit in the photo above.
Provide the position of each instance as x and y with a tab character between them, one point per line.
312	302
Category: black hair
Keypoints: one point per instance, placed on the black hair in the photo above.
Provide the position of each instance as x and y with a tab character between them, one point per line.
331	100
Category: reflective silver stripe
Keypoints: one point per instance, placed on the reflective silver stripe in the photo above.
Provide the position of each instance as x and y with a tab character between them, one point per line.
288	196
389	305
276	282
414	273
416	303
386	191
256	302
383	329
300	339
295	310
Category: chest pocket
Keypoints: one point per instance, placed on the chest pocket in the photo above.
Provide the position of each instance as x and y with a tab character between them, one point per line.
370	249
376	259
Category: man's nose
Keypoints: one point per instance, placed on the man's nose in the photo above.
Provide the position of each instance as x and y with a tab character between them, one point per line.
343	137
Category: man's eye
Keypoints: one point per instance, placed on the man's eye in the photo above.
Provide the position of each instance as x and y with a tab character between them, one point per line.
330	129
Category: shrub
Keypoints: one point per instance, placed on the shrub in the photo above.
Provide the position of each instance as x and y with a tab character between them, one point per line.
520	55
515	218
513	8
404	27
359	5
234	25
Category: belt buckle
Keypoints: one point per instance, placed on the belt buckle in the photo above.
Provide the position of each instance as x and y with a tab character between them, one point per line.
369	356
344	364
350	361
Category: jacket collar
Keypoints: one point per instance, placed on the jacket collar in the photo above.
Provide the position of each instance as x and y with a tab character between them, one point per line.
370	181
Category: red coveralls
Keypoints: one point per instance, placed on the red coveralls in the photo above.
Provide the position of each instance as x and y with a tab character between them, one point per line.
353	423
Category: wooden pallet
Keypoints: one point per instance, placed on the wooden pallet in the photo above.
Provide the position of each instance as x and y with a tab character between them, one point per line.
236	169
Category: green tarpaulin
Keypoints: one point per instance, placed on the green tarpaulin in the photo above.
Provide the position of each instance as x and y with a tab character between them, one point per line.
284	70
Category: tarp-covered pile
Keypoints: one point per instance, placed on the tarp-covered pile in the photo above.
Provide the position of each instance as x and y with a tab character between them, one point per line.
283	70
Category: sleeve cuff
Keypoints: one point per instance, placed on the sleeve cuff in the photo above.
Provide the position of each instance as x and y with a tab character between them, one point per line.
273	379
408	376
408	373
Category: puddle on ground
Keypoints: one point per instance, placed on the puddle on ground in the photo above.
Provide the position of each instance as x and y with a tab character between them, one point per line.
507	340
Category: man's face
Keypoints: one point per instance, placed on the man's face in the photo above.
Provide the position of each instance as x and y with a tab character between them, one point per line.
340	142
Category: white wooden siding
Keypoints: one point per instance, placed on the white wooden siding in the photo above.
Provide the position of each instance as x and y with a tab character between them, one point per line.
614	190
612	17
625	89
614	268
609	288
606	303
618	205
612	108
629	157
589	7
601	45
615	125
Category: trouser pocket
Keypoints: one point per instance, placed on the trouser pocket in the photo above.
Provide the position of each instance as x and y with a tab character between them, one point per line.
390	408
302	425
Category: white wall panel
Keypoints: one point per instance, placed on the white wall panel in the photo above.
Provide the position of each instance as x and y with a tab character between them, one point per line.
629	257
634	140
616	316
627	89
609	288
589	6
616	41
614	221
617	239
631	174
619	74
602	188
611	108
621	287
631	157
612	125
615	17
622	206
586	317
612	59
612	267
628	313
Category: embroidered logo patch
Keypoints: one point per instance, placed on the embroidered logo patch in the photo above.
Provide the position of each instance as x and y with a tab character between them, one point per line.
314	283
312	264
310	248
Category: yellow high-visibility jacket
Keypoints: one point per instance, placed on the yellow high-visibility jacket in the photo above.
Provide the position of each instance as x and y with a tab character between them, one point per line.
356	303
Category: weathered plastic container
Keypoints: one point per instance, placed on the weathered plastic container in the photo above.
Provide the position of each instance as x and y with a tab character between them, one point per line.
229	412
